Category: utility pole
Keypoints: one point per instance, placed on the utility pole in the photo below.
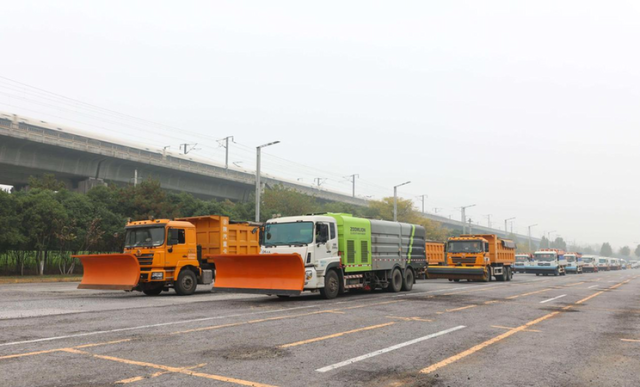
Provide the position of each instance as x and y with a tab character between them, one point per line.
164	151
436	209
226	151
506	231
488	216
464	217
353	181
470	228
423	196
258	186
135	178
395	200
549	237
319	180
529	227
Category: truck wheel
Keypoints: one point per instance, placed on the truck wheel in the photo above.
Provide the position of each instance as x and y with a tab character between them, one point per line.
487	275
407	284
396	281
331	285
154	291
555	273
509	274
186	283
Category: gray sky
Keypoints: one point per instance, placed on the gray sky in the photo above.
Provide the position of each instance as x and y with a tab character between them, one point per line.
527	109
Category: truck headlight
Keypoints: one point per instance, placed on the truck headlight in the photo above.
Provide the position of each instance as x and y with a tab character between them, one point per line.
309	274
157	276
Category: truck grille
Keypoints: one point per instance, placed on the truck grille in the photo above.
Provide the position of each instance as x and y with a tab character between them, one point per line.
457	260
145	259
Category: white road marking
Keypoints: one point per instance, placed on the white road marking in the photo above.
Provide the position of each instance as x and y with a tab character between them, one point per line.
551	299
388	349
593	286
431	291
151	326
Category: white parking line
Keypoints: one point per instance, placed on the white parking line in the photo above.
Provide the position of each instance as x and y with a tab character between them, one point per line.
388	349
152	326
551	299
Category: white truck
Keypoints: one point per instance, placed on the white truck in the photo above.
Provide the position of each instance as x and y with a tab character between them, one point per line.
589	264
549	261
574	263
603	264
335	253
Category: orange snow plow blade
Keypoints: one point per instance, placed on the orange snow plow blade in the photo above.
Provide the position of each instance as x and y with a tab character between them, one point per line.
109	271
279	274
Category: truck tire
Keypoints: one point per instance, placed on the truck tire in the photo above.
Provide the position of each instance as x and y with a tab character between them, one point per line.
487	275
331	285
509	274
556	273
407	284
186	283
395	283
153	291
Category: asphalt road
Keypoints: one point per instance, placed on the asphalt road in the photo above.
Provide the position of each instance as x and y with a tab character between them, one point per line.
578	330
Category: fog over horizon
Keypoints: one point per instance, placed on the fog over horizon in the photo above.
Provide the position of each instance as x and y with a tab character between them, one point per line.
528	110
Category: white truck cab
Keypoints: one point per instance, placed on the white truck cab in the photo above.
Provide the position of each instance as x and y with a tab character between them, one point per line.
549	261
589	264
603	264
313	237
574	263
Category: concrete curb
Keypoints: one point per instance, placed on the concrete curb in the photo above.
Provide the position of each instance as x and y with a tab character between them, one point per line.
7	281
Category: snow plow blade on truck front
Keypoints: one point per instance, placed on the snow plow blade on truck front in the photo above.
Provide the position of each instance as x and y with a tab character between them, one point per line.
109	271
452	272
277	274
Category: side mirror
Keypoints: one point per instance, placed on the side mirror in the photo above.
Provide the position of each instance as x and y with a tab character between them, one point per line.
255	230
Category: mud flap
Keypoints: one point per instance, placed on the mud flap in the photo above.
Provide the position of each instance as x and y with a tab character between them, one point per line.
109	271
278	274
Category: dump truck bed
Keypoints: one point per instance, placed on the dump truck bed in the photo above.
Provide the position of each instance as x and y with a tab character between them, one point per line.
435	253
216	235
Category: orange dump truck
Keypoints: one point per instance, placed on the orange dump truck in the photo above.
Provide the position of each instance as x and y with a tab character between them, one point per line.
435	254
476	257
160	254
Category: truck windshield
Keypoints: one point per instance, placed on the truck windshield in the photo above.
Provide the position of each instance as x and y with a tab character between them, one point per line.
521	259
570	258
587	260
144	237
603	260
279	234
545	257
465	247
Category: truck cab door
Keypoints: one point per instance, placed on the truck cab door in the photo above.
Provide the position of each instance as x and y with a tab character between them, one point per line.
326	240
177	249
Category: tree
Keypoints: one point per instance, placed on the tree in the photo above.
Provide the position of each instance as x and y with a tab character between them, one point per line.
626	251
46	182
637	252
285	201
544	242
559	243
42	216
606	250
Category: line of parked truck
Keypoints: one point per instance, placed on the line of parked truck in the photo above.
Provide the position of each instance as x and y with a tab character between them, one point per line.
328	253
558	262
